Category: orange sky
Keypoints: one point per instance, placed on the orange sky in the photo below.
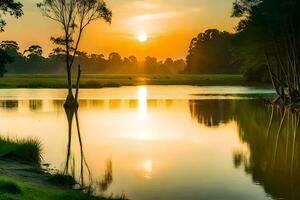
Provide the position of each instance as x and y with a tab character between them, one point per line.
170	24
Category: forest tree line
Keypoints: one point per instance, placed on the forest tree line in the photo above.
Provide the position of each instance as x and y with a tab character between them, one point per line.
33	61
211	52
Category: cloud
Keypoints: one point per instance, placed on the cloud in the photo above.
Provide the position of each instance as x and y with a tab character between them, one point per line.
153	16
146	5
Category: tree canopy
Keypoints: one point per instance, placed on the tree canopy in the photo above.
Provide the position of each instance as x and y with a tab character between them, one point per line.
210	53
73	16
10	7
32	61
273	28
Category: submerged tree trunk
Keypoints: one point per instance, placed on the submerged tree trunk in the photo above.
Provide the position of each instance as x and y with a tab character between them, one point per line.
72	101
284	67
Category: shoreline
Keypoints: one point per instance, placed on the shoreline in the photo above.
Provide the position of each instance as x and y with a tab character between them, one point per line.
23	180
24	176
49	81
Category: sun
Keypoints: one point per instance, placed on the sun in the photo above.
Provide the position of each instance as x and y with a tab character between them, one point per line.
142	37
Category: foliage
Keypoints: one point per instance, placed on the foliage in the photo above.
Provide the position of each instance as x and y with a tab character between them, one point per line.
33	51
33	62
253	64
210	53
73	16
4	59
11	7
277	36
8	52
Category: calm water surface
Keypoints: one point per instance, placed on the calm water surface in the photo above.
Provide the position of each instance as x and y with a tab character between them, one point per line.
166	142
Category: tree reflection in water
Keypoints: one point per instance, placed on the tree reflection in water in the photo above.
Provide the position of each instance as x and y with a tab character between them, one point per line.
272	138
274	154
211	113
85	178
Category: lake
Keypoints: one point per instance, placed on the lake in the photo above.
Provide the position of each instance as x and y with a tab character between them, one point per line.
165	142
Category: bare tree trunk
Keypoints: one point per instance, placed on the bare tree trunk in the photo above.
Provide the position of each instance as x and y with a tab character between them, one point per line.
69	67
77	83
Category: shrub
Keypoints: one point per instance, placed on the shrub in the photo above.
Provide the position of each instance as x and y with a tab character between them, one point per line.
25	149
63	180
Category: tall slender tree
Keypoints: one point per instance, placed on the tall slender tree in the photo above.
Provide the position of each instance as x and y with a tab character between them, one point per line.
74	16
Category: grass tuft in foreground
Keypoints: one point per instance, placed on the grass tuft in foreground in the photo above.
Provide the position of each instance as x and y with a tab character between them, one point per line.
7	186
21	149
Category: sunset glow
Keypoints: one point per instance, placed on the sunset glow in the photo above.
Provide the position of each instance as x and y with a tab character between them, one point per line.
142	37
169	22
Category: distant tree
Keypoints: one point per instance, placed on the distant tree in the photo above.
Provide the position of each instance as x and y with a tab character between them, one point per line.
151	65
14	9
57	52
4	59
74	16
115	57
178	66
95	57
33	62
9	45
33	51
169	61
133	59
11	7
173	66
82	55
11	48
209	53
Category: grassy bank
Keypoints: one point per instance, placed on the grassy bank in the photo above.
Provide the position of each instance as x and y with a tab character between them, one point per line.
18	190
99	81
21	180
24	149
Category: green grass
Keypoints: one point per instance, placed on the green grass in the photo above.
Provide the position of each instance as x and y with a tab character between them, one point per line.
21	149
8	186
62	180
99	81
17	190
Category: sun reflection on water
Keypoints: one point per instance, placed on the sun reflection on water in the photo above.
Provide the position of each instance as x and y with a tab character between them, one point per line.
148	168
142	102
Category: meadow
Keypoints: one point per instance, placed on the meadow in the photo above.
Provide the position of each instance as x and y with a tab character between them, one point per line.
112	80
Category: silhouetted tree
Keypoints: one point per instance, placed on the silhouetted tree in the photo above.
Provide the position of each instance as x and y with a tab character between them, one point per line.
14	9
12	49
274	26
151	65
33	51
11	7
173	66
4	59
74	16
33	62
209	53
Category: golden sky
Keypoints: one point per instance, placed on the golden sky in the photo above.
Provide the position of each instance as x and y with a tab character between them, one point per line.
170	25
